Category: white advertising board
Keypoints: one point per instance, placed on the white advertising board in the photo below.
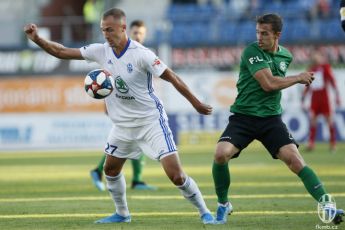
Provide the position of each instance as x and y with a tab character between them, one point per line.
53	131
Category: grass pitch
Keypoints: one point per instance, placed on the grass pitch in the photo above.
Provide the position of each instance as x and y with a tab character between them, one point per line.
53	190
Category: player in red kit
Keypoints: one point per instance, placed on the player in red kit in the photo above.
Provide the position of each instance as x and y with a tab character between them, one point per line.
320	98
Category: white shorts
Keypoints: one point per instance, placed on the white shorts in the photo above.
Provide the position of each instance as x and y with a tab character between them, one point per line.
154	140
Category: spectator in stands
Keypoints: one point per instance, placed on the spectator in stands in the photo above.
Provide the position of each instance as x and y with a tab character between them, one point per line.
309	7
342	14
323	8
92	10
318	9
320	97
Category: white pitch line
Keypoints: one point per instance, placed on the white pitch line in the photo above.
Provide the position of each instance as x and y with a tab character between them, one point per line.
161	197
89	215
257	184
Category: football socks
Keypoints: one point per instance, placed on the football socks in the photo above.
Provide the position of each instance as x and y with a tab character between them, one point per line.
221	178
312	183
117	188
137	166
191	192
101	164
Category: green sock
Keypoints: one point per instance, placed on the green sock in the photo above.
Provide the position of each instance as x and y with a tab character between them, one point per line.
221	178
312	183
137	166
101	164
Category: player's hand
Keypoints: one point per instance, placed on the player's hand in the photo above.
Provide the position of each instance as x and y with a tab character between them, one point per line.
306	78
31	31
337	101
203	109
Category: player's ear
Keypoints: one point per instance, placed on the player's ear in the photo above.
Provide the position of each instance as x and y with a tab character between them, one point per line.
124	27
278	34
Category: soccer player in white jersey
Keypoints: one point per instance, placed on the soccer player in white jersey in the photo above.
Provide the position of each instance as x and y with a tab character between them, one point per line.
137	32
139	119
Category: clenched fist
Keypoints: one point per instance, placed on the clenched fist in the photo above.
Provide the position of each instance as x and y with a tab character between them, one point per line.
31	31
306	78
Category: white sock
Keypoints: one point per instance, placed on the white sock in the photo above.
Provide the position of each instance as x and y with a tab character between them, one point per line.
192	193
117	188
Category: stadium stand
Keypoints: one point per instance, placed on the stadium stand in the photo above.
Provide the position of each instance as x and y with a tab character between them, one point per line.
183	23
193	24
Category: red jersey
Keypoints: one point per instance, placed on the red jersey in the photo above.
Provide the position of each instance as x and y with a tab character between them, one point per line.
324	78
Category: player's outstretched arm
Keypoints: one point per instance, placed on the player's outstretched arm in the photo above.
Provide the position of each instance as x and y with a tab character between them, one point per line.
53	48
268	82
177	82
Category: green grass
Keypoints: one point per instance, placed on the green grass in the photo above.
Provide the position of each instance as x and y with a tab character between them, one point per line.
53	190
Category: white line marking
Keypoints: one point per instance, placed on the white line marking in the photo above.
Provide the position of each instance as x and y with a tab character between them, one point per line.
258	184
88	215
161	197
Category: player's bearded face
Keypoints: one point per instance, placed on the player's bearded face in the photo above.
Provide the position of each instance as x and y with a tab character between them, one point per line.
266	37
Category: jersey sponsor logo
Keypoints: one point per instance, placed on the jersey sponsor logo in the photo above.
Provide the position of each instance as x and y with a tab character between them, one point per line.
125	97
110	62
129	68
255	59
282	66
121	85
156	62
85	47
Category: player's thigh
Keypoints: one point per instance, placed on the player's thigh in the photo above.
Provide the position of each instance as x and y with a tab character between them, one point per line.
238	134
325	108
274	135
156	140
121	144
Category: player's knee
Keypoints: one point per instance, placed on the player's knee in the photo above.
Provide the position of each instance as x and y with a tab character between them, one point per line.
220	158
178	179
295	163
110	171
223	155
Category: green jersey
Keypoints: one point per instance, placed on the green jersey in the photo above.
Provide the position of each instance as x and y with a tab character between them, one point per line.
251	98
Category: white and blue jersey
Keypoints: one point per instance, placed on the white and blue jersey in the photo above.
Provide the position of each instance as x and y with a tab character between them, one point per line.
140	123
133	102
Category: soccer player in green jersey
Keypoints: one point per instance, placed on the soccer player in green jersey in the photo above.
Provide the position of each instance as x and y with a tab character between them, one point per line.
137	31
257	114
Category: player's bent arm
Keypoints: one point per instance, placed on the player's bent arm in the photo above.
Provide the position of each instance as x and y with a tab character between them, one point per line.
269	83
181	87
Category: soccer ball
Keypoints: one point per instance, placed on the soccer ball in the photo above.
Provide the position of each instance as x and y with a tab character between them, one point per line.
98	84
